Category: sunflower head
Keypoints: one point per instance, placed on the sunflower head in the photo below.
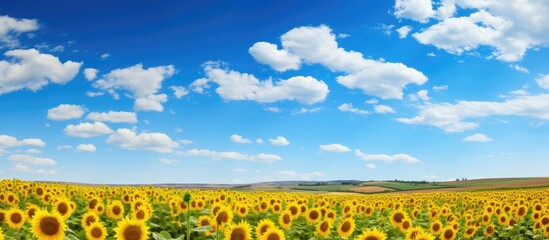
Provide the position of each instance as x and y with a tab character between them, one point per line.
285	219
313	215
48	225
15	218
448	233
273	233
323	229
88	218
436	227
131	229
397	217
262	226
96	231
372	234
115	210
413	232
489	230
346	227
239	231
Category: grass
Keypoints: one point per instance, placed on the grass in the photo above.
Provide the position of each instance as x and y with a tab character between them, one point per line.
475	183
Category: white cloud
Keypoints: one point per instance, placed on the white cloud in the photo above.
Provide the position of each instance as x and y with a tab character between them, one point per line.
178	130
86	148
200	85
10	28
150	103
509	29
440	88
9	142
370	166
90	73
94	94
454	117
113	116
343	35
30	69
179	91
478	137
127	139
259	140
27	169
32	160
403	31
335	147
66	112
105	56
306	110
87	130
519	68
167	161
377	78
371	101
419	10
431	54
240	170
33	151
543	81
279	141
382	109
279	60
348	107
62	147
405	158
234	85
293	175
142	84
420	95
239	139
185	141
231	155
272	109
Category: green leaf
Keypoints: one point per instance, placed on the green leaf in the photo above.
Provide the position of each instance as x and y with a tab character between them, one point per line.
202	229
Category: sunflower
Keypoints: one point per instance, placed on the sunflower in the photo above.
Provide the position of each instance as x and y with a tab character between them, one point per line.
469	232
2	216
397	218
96	231
489	230
372	234
63	207
262	226
93	203
424	236
273	234
502	220
141	214
448	233
48	225
206	221
436	227
331	216
294	210
88	218
413	232
313	215
285	219
520	211
131	229
224	216
15	218
239	231
406	224
115	210
346	227
323	229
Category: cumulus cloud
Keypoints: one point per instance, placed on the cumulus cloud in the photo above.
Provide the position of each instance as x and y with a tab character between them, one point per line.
509	29
234	85
382	109
455	117
142	85
87	130
422	95
335	147
179	91
403	31
30	69
231	155
318	45
151	102
9	142
306	110
440	88
419	10
239	139
10	28
32	160
543	81
85	148
478	137
405	158
66	112
90	73
279	60
348	107
128	139
113	116
26	169
279	141
33	151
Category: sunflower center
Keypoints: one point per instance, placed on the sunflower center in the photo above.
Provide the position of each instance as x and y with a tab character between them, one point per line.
222	217
11	198
116	210
90	220
324	226
263	229
92	203
521	211
448	234
31	212
49	226
286	218
96	232
273	236
405	224
293	210
436	227
62	208
16	218
132	233
263	205
313	215
346	226
398	217
489	230
470	231
39	191
238	234
2	216
204	222
242	210
140	215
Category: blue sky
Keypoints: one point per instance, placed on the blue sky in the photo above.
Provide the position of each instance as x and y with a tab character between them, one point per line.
224	92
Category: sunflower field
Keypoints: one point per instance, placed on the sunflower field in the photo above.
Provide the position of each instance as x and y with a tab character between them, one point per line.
50	211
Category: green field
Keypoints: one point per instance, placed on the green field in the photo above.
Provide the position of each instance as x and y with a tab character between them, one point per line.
406	186
324	188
